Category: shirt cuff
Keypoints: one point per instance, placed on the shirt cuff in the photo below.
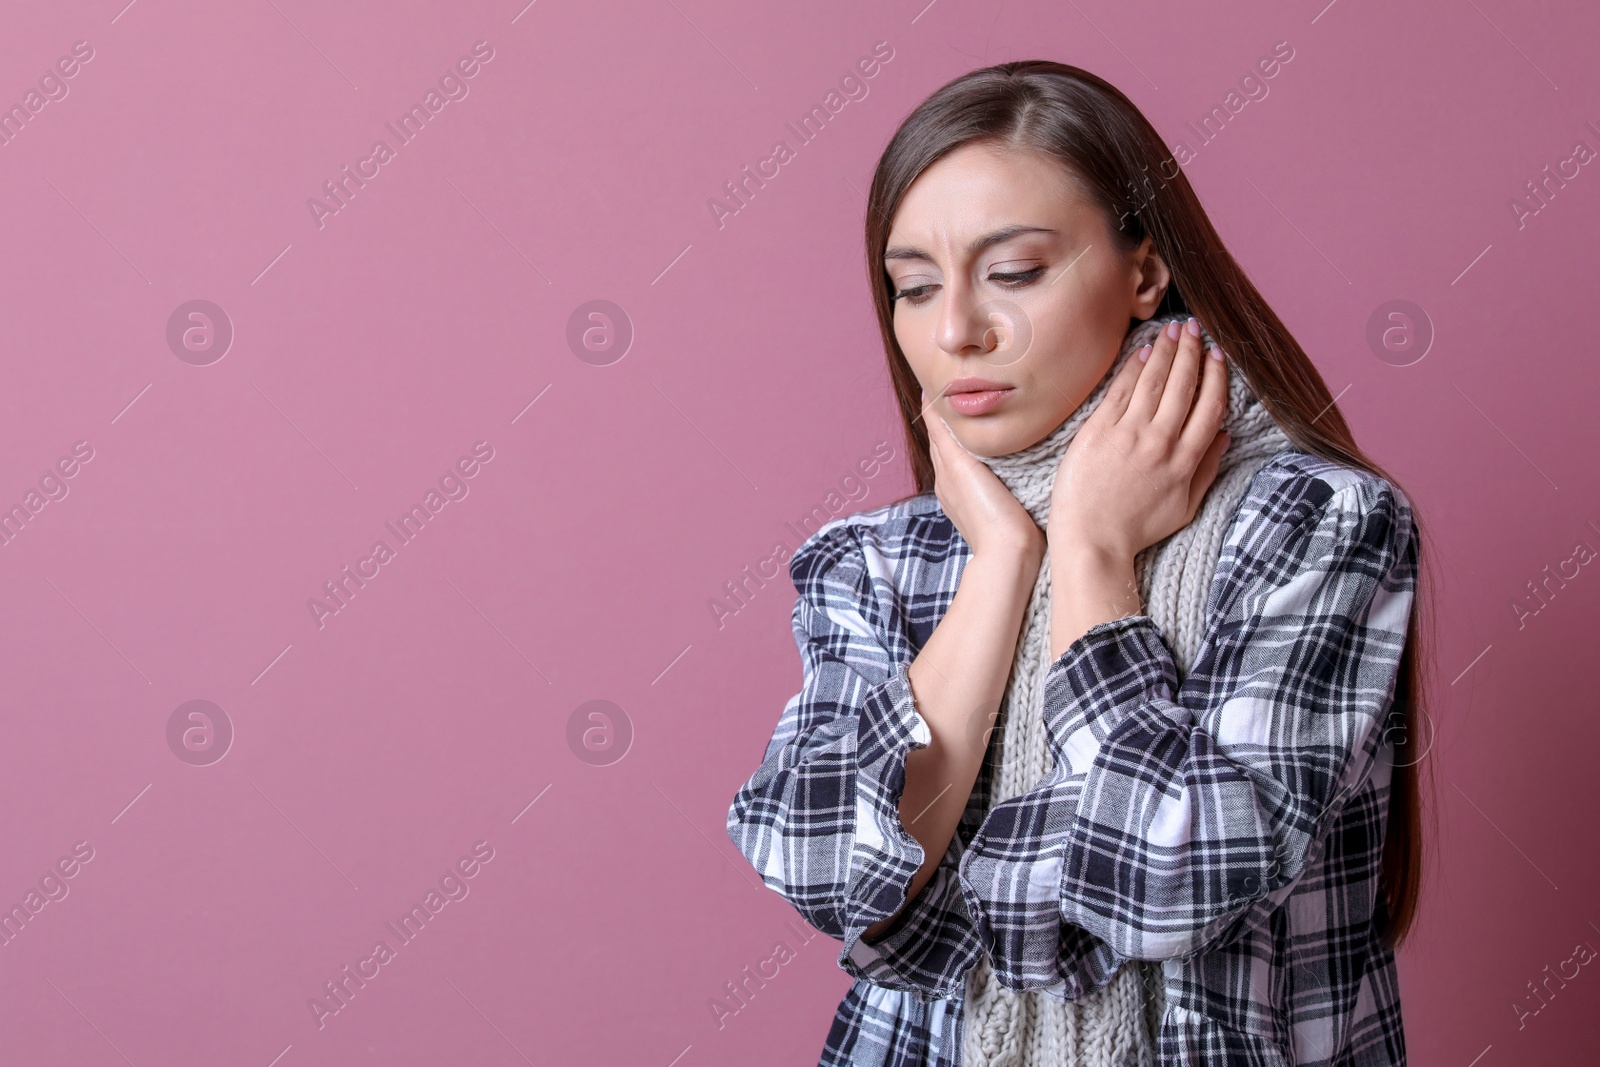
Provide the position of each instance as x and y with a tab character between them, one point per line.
1102	678
912	953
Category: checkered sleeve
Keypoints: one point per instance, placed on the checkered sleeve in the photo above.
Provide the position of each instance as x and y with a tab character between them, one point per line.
820	819
1175	818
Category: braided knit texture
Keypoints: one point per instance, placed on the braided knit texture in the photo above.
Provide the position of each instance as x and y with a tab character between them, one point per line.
1117	1025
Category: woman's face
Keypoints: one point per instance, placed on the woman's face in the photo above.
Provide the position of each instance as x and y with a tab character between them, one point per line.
1014	297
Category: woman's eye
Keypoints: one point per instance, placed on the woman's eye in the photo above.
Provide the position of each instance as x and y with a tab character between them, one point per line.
1020	278
917	294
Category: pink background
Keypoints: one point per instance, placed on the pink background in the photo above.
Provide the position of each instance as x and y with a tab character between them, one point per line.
370	353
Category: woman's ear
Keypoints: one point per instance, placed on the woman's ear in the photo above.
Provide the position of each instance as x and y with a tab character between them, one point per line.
1150	278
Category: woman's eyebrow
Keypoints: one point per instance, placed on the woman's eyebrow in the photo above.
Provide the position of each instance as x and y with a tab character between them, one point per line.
977	245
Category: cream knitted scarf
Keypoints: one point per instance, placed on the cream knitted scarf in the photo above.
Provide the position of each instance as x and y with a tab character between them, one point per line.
1116	1026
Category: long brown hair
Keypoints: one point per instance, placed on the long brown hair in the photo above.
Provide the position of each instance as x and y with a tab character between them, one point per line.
1121	163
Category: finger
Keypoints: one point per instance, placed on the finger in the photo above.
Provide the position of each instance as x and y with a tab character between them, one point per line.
935	425
940	440
1153	375
950	445
1178	395
1206	472
1120	392
1210	406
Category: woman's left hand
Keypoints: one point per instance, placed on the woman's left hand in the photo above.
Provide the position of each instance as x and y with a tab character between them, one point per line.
1138	467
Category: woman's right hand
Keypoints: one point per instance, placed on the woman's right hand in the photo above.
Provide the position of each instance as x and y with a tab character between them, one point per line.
983	510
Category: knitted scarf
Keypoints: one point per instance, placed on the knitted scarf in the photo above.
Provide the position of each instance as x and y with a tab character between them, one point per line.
1116	1026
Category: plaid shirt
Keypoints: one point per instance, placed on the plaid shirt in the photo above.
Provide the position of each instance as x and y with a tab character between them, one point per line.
1229	827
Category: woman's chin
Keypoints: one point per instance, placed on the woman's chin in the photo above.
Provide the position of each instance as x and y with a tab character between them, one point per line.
995	436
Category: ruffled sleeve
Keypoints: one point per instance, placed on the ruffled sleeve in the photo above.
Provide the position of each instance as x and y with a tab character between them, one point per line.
820	819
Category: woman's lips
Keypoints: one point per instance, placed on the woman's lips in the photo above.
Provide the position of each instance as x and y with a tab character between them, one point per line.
977	403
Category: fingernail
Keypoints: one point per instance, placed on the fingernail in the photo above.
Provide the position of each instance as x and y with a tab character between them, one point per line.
1172	328
1216	353
1193	326
1227	439
1144	353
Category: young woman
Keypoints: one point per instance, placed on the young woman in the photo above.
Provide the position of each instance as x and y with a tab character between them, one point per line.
1102	751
